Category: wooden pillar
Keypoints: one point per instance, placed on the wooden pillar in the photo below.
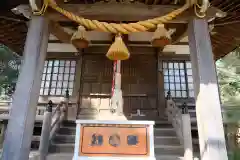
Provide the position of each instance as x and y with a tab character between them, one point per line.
208	107
23	110
78	85
77	75
160	83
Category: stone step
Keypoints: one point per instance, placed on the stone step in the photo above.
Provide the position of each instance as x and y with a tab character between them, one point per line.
69	156
193	120
174	150
168	157
148	118
194	133
196	149
69	124
60	156
158	123
95	115
67	130
61	148
86	117
64	138
192	113
162	124
166	140
195	140
167	130
164	132
35	145
194	127
167	145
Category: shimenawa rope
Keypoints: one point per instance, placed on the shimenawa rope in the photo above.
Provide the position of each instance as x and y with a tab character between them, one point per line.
123	28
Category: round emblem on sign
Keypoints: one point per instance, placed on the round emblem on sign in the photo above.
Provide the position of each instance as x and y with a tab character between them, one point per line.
114	140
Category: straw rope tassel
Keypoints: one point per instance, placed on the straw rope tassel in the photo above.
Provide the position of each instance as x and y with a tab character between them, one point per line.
80	37
118	50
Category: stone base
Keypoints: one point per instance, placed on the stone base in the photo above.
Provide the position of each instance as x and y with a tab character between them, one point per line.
107	115
101	115
144	150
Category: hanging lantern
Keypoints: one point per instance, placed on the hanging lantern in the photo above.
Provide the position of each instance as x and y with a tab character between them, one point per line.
80	38
161	37
118	50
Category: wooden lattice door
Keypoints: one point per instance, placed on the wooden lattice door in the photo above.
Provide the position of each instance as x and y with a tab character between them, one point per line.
139	83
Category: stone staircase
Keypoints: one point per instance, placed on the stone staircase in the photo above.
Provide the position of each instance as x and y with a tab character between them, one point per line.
167	145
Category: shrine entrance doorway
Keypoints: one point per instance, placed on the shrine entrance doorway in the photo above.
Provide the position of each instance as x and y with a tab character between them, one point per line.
139	84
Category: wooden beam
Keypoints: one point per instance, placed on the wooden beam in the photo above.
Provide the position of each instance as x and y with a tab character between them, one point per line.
65	48
59	33
63	34
129	12
208	108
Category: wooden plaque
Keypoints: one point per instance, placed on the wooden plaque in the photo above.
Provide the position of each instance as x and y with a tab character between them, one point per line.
114	140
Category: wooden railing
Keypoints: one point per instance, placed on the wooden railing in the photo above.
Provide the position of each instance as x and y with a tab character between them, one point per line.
181	121
5	107
51	123
51	115
174	115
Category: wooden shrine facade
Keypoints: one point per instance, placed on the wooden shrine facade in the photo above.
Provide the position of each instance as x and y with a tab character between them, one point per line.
89	79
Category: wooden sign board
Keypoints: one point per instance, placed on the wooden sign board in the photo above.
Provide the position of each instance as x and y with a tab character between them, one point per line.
113	140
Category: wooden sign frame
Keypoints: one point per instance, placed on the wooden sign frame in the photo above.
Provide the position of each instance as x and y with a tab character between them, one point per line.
105	130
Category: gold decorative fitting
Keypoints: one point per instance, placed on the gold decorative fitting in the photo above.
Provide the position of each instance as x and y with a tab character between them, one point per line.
118	50
36	10
80	37
200	10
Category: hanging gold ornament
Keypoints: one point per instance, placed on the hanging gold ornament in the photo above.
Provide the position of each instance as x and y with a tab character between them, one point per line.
161	37
118	50
80	37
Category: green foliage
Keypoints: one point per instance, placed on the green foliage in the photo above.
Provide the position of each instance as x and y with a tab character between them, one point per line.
234	155
228	70
229	76
9	64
